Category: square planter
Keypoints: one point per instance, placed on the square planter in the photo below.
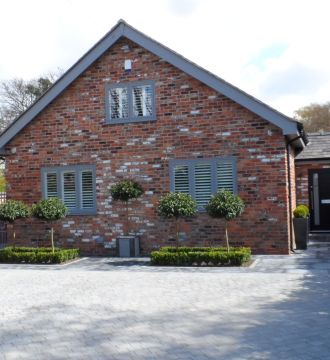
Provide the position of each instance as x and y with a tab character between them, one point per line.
128	246
301	230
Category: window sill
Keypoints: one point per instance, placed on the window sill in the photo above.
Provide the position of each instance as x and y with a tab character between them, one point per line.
82	212
128	121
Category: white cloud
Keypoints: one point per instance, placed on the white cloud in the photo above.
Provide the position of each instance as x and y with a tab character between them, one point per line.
183	7
274	50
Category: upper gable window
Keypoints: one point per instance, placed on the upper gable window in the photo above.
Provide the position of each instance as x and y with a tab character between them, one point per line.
130	102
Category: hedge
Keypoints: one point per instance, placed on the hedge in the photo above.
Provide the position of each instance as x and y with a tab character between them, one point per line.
187	256
37	255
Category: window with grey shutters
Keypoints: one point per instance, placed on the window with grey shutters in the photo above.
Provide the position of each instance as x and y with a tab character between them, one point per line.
69	189
51	185
201	178
130	102
202	183
225	171
74	185
181	179
87	189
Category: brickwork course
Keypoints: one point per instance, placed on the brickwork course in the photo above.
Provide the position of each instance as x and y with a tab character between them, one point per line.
193	121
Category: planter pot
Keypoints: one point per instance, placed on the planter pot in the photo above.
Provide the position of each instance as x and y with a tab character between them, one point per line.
128	246
301	230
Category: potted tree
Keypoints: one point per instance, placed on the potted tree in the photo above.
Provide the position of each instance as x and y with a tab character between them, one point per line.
225	205
50	210
301	226
12	210
177	206
125	191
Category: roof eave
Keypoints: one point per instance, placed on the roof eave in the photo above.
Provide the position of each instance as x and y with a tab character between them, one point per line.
61	84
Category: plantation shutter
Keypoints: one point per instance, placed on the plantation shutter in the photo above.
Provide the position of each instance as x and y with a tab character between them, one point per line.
119	103
203	183
51	185
69	190
181	179
201	178
142	100
225	176
87	193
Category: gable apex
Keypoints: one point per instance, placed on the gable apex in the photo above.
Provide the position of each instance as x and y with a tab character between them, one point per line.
289	126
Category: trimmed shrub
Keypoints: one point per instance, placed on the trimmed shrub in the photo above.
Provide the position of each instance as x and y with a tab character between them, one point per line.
224	204
37	255
301	211
12	210
177	205
185	256
51	209
124	191
199	249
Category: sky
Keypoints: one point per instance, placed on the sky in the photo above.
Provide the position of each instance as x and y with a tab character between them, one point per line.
276	50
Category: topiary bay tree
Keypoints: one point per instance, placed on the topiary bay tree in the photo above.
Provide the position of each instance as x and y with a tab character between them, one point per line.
225	205
51	209
126	190
12	210
177	205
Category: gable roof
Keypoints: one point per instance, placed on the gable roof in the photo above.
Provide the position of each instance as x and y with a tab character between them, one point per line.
317	149
290	127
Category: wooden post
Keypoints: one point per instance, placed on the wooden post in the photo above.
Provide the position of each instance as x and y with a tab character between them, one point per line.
227	240
127	219
177	231
52	238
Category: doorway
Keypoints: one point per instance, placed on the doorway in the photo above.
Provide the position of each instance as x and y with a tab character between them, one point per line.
319	199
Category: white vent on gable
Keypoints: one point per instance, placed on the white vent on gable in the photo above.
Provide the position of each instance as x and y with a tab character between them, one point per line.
128	65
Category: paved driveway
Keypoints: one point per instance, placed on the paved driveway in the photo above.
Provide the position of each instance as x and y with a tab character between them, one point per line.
104	309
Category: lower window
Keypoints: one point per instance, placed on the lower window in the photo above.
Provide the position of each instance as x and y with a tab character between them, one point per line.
74	185
201	178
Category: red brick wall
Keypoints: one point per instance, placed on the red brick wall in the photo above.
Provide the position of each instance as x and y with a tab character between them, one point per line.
192	121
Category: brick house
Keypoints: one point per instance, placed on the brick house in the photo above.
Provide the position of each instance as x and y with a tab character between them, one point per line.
132	108
313	179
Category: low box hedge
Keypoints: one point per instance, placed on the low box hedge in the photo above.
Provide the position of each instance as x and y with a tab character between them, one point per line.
207	256
36	255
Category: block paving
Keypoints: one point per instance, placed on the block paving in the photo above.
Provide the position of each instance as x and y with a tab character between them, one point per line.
121	309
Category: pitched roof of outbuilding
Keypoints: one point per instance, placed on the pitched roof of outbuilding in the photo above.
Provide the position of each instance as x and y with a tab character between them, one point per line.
290	127
318	147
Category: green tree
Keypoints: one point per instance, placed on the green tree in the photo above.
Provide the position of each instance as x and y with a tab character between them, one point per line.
51	209
227	206
315	117
125	191
12	210
2	181
177	205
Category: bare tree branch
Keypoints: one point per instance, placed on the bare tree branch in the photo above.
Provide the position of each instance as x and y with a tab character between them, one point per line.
17	94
